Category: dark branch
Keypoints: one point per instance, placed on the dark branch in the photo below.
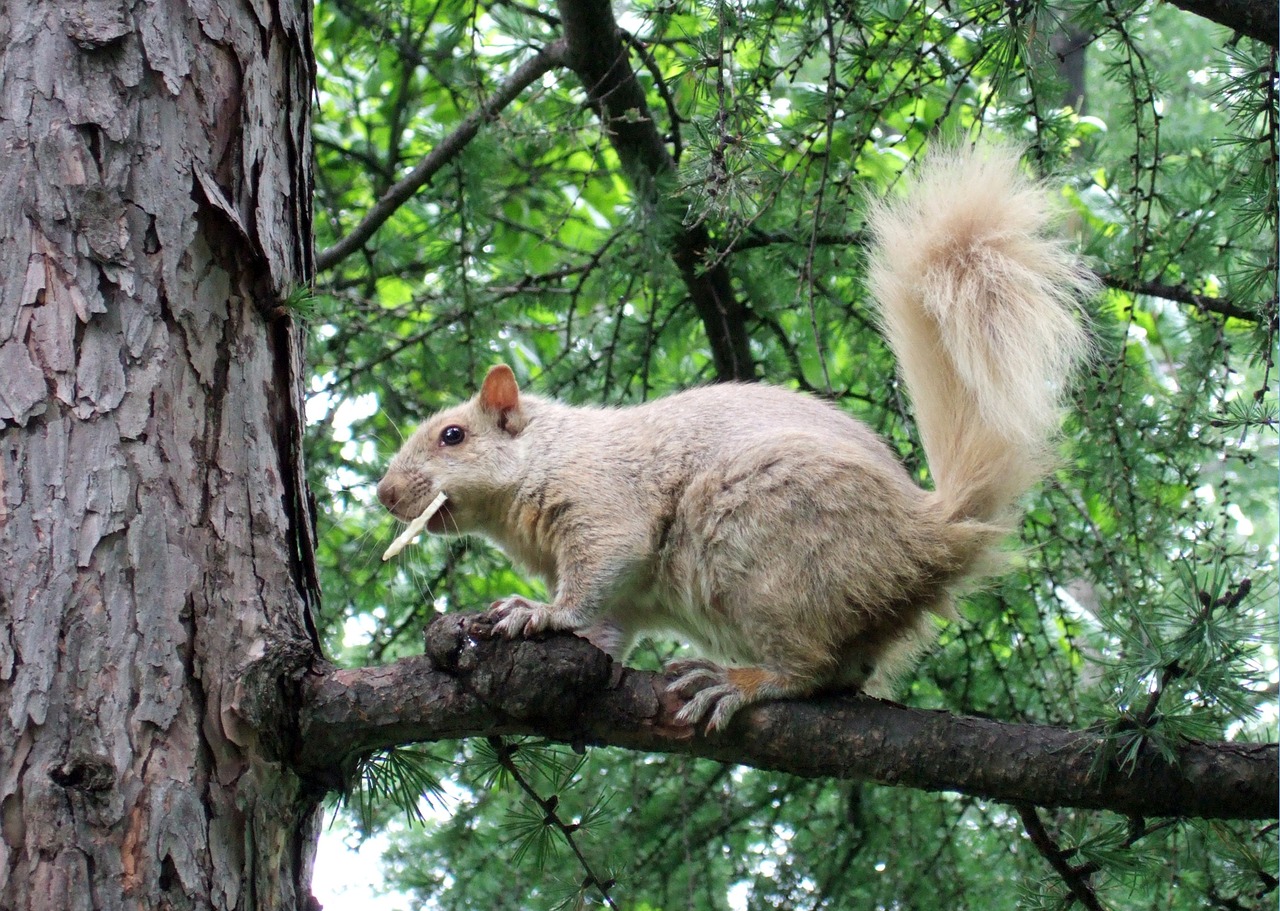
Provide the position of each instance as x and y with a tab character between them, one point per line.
548	805
598	56
1182	295
563	688
1255	19
1076	880
1179	294
449	147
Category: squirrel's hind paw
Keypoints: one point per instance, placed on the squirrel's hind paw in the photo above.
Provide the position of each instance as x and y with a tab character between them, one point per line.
709	690
716	693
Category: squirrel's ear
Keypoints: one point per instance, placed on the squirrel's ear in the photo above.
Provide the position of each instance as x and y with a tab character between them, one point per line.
500	394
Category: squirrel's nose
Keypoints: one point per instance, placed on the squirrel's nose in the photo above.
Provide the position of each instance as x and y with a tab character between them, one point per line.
389	492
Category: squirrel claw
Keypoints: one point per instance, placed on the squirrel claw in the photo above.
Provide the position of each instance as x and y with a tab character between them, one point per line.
721	702
515	616
708	691
693	674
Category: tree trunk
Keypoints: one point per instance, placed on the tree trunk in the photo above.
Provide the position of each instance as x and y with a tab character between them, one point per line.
155	544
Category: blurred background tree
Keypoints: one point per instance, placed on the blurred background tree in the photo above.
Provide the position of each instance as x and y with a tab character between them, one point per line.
622	213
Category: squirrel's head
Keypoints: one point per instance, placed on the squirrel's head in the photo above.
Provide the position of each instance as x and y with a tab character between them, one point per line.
468	452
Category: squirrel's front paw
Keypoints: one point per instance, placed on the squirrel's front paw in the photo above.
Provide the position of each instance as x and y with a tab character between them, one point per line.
708	689
515	616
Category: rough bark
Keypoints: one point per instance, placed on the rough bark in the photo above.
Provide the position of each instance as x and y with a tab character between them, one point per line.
155	565
1257	19
563	688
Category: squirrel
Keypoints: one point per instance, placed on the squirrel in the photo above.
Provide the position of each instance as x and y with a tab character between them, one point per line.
777	535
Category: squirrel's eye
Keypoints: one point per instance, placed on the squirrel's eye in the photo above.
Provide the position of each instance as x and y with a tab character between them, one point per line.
452	435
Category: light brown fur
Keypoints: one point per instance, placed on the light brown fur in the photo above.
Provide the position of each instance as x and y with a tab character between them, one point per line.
774	533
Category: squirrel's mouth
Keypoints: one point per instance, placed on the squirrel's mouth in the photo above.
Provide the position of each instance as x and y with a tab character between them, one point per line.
441	522
415	526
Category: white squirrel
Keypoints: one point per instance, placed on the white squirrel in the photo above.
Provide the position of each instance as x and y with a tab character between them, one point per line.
777	535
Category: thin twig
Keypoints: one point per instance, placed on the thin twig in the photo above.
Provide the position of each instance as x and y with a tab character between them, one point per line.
1182	295
399	193
1077	882
548	805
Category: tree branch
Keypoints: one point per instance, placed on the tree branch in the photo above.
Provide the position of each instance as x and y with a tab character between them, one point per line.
1253	18
549	805
563	688
1180	294
400	192
598	56
1076	880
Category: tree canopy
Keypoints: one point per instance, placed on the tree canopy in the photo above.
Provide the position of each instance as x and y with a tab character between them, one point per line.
621	202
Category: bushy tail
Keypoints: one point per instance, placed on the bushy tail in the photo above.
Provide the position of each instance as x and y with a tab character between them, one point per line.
979	303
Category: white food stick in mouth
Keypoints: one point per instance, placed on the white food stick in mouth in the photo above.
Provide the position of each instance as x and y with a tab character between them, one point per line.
415	527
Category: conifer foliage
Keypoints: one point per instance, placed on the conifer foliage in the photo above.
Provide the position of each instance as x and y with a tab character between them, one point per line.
621	201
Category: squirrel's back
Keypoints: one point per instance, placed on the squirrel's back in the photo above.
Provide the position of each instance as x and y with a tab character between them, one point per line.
979	302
